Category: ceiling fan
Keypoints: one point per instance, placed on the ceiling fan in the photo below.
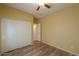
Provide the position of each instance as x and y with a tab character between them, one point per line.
43	5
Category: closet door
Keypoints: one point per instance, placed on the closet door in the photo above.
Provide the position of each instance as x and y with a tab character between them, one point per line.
16	34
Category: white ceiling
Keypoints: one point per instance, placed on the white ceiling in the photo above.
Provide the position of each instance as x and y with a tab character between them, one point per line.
43	11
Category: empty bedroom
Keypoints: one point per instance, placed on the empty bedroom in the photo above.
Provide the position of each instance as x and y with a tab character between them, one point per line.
39	29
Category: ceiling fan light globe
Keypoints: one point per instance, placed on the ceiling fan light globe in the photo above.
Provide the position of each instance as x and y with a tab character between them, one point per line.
41	4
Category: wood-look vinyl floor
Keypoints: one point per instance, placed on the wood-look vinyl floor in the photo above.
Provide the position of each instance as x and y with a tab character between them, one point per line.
37	49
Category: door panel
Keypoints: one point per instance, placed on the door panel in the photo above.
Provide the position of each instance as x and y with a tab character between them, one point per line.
16	34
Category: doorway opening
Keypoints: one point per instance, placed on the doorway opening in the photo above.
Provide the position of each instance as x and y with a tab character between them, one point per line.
36	32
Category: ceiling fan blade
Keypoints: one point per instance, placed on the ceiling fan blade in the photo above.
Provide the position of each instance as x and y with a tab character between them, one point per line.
47	6
38	8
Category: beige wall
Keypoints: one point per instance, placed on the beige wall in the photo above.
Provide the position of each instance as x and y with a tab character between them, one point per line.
61	29
12	13
8	12
35	20
0	35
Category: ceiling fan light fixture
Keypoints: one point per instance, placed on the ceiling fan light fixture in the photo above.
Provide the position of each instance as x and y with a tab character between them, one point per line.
41	4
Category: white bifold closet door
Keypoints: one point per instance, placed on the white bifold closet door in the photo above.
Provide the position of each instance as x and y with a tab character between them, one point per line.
15	34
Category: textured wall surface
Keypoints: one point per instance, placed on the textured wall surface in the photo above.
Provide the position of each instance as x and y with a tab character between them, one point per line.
61	29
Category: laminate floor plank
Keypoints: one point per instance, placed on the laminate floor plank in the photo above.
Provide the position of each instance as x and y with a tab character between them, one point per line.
37	49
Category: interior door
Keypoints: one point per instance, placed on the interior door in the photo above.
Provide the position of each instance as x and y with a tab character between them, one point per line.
16	34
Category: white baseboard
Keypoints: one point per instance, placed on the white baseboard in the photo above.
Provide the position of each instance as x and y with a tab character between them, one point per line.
61	48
